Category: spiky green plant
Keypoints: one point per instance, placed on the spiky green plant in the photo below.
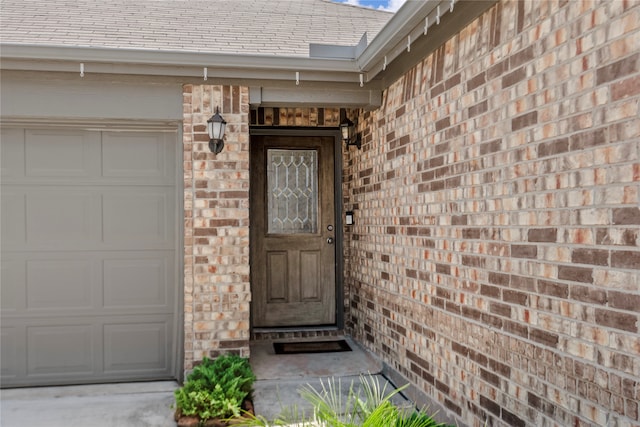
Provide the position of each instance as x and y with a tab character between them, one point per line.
369	407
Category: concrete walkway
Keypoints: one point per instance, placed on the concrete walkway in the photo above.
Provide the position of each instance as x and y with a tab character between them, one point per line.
280	377
108	405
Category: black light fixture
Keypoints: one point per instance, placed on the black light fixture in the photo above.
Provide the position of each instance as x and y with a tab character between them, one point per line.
349	135
216	126
348	218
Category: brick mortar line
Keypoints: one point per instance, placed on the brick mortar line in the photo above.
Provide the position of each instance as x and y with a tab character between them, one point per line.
501	228
541	380
526	340
506	152
568	338
516	195
518	290
529	260
460	291
593	364
561	244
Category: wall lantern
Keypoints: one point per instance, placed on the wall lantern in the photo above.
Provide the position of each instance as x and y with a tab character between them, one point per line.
216	126
348	218
349	135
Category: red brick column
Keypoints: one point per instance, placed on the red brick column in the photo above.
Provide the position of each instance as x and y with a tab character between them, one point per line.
216	225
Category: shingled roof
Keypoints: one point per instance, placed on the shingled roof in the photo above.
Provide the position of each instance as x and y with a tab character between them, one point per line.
271	27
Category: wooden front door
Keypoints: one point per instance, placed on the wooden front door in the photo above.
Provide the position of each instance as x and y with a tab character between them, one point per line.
292	231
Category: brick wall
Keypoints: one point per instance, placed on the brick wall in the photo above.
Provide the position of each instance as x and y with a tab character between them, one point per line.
495	256
295	116
216	225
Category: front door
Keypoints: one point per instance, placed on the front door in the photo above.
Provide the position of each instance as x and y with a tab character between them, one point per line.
292	231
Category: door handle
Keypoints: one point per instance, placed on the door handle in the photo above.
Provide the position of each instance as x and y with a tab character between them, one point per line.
330	240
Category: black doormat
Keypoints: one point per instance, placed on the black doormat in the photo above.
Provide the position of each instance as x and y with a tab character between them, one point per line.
310	347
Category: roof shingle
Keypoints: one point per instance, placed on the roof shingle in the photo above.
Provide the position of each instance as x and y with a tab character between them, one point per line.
271	27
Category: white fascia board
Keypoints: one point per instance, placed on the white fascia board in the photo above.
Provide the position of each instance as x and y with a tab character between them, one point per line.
179	63
455	15
319	50
412	23
217	75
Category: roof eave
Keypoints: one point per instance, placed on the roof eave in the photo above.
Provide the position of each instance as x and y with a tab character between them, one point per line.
274	80
417	25
375	67
405	19
175	63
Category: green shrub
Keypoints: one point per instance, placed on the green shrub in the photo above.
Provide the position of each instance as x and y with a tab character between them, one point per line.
216	388
418	419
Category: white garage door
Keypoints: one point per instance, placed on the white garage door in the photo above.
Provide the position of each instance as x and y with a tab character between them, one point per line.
89	262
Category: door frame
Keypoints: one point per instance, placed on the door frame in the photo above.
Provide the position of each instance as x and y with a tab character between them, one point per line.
339	235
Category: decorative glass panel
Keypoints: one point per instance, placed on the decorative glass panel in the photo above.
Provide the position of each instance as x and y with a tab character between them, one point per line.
292	184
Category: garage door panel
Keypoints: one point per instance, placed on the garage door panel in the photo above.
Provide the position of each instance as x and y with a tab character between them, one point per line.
138	156
57	284
136	282
11	350
14	230
136	347
47	283
60	350
61	153
139	218
65	218
12	153
13	279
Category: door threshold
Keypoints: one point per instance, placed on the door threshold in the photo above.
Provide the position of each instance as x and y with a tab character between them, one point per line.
261	334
